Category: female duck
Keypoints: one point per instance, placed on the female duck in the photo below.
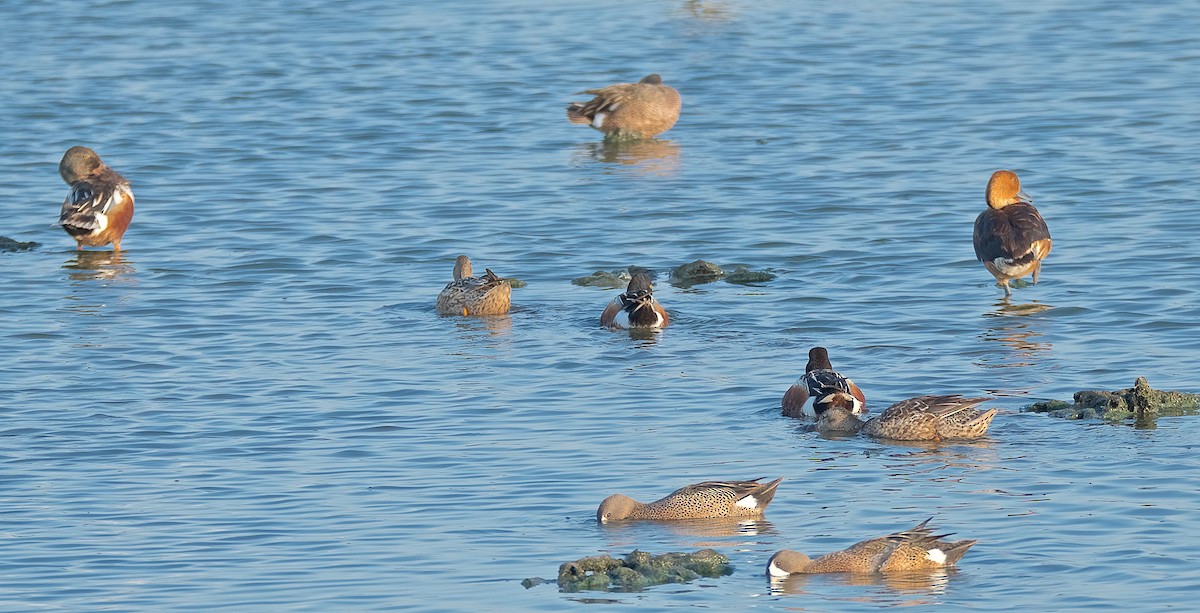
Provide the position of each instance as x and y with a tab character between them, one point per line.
912	550
468	295
924	418
1011	238
629	110
710	499
635	308
99	206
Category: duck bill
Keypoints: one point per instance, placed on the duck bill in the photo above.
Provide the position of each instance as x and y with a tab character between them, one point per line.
1024	197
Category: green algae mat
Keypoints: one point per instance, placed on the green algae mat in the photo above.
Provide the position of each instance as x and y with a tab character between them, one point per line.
636	571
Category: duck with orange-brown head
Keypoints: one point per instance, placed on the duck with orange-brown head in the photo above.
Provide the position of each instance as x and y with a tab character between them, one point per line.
1011	238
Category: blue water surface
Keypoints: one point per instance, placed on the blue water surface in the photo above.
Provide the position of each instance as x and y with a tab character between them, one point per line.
255	408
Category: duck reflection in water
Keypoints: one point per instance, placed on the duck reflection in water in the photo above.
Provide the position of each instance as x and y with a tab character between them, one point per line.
708	10
98	265
1014	327
646	156
645	337
895	589
493	325
731	531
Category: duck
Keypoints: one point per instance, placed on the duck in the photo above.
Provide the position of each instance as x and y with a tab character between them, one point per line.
636	307
1011	238
923	418
99	206
469	295
709	499
820	378
916	549
629	110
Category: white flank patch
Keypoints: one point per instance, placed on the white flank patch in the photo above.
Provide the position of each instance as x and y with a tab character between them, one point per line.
936	556
1006	266
598	120
749	502
775	571
101	219
621	320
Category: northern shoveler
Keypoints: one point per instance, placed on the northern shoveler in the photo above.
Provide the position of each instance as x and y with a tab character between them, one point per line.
468	295
635	307
629	110
912	550
924	418
99	206
819	379
1011	238
709	499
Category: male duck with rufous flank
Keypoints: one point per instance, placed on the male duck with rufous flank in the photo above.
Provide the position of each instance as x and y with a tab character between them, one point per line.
1011	238
469	295
99	206
636	307
819	378
629	110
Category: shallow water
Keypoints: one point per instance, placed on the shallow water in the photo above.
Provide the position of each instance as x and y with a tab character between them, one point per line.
255	407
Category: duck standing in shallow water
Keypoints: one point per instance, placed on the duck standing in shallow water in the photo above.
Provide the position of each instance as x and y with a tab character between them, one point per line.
629	110
820	379
99	207
912	550
468	295
710	499
924	418
635	307
1011	238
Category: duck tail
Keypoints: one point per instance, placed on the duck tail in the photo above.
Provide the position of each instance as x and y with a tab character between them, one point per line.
575	113
956	550
979	424
765	493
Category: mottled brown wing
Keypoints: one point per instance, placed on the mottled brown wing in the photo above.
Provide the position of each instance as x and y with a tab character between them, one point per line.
607	99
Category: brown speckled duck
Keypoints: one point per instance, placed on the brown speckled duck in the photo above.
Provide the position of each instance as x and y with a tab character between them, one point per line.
635	307
924	418
912	550
1011	238
468	295
99	206
629	110
819	379
709	499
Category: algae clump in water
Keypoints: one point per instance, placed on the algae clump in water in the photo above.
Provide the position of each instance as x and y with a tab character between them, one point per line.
1140	402
637	571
